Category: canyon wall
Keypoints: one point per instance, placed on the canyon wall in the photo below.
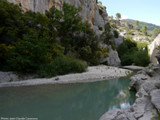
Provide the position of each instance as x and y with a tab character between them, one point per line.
93	12
90	10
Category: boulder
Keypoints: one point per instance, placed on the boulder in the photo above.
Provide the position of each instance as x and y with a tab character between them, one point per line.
113	58
155	98
147	104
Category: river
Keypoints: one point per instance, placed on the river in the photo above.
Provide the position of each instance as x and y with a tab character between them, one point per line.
82	101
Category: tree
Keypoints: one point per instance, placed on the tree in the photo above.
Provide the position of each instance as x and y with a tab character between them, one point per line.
54	16
144	30
10	16
106	36
118	16
133	52
137	25
31	41
70	24
156	31
127	25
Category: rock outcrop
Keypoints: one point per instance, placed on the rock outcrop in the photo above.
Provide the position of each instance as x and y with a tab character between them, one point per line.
158	56
90	10
93	12
113	58
153	49
147	104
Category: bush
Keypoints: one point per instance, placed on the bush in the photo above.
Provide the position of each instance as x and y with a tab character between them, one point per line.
106	55
30	42
113	46
141	58
100	28
133	52
61	66
31	52
116	34
113	25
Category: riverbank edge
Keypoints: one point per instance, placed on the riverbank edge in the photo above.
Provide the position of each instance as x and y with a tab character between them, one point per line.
146	83
93	74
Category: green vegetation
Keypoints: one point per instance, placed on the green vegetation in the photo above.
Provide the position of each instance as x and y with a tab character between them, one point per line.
45	43
144	30
106	35
156	116
136	25
116	34
139	25
61	66
156	31
118	16
133	52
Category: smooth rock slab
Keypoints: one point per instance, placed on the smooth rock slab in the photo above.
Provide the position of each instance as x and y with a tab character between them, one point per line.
155	98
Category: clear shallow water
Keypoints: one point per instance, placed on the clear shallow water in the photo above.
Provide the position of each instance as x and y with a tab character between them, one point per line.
82	101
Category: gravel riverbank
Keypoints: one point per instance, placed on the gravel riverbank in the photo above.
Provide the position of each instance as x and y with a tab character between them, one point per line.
95	73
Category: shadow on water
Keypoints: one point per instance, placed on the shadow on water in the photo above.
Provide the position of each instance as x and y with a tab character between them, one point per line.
82	101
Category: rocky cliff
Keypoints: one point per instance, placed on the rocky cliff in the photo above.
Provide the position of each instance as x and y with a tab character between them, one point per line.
90	10
153	49
147	105
94	13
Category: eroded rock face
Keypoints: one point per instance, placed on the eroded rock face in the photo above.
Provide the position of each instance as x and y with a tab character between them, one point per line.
113	59
95	14
155	98
153	50
147	104
158	56
90	10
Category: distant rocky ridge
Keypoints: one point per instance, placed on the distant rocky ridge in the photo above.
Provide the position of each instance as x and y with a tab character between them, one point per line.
150	26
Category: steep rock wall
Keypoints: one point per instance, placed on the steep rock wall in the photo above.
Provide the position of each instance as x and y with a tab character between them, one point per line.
152	49
95	14
90	10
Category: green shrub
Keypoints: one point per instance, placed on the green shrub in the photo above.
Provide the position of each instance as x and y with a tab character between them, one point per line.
116	34
127	59
113	25
31	52
113	46
105	63
141	58
100	28
100	11
61	66
29	41
133	52
106	55
104	49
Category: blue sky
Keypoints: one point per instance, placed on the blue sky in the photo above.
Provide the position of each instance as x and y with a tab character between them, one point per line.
142	10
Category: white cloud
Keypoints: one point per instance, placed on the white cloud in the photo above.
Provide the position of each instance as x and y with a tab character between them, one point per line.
124	17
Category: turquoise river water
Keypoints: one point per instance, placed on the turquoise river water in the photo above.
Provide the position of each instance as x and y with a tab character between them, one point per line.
82	101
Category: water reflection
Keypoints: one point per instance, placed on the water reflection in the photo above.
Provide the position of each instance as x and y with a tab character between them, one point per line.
85	101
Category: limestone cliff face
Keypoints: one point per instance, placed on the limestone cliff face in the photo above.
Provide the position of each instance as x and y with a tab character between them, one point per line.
90	10
95	14
153	49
